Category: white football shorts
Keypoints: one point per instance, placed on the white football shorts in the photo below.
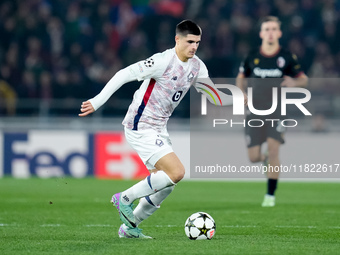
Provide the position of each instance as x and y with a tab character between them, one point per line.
149	144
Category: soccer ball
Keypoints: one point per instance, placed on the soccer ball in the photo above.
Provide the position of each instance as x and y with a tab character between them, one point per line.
200	226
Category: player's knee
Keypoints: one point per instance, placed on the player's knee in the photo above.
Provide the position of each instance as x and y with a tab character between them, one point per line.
178	174
254	158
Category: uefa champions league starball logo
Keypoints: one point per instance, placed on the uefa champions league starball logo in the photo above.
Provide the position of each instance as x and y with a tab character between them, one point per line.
149	62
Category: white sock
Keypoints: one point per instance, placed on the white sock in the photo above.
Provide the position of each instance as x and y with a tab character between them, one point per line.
149	204
150	185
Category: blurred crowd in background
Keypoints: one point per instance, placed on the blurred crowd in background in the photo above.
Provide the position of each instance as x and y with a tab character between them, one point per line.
60	52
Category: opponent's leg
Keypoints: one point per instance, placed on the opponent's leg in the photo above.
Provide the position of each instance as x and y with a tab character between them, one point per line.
254	154
273	172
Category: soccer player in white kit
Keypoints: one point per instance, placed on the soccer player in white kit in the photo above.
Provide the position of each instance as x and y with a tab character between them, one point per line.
167	78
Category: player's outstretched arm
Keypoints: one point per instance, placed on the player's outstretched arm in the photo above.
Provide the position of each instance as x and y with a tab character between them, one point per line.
119	79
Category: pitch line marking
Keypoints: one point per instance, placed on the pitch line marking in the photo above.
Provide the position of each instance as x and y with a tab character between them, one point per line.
177	226
98	225
50	225
296	226
252	226
167	226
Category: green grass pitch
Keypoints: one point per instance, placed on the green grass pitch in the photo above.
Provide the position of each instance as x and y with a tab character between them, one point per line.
74	216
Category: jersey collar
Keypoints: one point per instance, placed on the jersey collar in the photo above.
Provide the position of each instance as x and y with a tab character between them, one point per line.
271	55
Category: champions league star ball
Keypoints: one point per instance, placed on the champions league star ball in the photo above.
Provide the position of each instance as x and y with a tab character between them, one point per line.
200	226
149	62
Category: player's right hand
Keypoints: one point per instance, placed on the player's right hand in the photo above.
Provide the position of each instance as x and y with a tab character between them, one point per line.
86	109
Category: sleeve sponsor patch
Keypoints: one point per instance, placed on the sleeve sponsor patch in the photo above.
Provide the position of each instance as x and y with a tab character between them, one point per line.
140	68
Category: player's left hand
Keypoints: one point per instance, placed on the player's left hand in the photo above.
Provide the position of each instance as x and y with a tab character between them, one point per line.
288	82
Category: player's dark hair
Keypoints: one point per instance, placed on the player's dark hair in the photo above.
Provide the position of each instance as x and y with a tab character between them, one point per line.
186	27
270	18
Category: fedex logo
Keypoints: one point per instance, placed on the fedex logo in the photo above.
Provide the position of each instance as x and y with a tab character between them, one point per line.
114	158
48	154
58	153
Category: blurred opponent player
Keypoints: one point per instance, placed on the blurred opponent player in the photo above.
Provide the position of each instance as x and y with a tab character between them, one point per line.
269	61
167	78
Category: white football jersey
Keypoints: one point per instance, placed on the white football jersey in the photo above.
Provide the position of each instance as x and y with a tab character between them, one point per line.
166	80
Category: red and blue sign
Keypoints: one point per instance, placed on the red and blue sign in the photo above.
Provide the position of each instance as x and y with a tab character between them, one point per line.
49	154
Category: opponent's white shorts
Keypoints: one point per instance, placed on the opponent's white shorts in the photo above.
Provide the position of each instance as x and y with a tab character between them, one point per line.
149	144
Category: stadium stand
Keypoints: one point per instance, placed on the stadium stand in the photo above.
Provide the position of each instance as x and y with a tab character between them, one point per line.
53	54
